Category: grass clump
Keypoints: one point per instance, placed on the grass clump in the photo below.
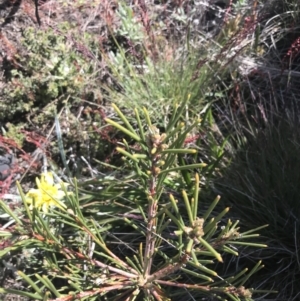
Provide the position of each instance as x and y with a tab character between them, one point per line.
262	185
262	128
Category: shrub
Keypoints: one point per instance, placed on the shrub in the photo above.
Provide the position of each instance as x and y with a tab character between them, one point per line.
51	70
139	234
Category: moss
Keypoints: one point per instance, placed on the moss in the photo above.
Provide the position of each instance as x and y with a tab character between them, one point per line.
13	132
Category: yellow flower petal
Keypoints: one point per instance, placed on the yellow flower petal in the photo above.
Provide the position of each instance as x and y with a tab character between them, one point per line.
48	178
48	194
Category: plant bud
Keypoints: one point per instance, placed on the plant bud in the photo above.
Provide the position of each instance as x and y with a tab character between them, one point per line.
153	150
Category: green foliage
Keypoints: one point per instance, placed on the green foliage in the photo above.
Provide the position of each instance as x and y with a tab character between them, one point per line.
160	84
50	68
157	72
128	236
129	27
14	132
114	246
55	75
262	185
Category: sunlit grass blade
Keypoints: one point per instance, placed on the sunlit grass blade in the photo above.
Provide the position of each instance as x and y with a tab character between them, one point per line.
125	153
216	220
256	268
196	196
197	275
229	250
203	269
123	118
186	174
32	296
179	151
250	244
141	129
186	167
30	282
254	230
29	213
188	207
147	117
10	212
44	279
133	135
178	113
211	249
211	207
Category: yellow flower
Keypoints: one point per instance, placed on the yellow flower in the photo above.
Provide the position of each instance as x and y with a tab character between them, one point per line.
48	194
